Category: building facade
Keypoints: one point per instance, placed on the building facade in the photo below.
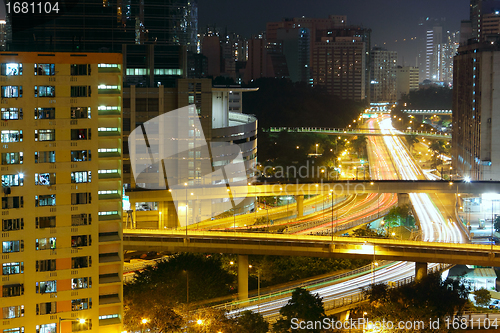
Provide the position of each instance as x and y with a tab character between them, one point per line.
296	43
383	81
338	64
407	80
220	114
62	192
476	115
113	22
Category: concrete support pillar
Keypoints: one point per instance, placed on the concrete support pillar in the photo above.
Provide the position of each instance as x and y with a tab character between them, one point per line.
242	277
420	270
300	205
169	215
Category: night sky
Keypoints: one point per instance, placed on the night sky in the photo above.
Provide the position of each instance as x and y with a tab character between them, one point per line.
390	20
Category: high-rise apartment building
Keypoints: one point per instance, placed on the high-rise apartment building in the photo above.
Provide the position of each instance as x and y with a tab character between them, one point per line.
61	143
338	64
322	29
265	59
383	82
296	43
476	114
480	17
407	80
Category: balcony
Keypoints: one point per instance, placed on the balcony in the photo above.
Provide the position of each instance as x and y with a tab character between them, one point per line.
109	131
109	278
110	215
109	68
109	236
106	110
109	299
109	152
109	257
109	174
104	89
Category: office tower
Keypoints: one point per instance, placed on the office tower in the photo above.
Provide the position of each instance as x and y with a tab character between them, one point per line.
296	43
154	65
476	115
219	110
465	31
480	11
104	25
407	80
330	28
338	64
62	188
211	48
265	59
383	75
450	48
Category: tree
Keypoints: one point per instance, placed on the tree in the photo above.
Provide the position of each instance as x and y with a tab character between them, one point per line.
359	144
411	140
430	297
304	306
482	297
250	322
158	291
497	224
396	215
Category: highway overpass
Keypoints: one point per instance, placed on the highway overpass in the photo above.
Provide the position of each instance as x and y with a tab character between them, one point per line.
358	131
427	112
336	188
309	246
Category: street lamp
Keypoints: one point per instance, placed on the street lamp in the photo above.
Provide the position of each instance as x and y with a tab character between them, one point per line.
317	149
258	287
185	184
81	321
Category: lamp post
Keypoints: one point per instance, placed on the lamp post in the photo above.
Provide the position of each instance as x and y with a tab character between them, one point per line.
317	149
81	321
144	321
185	184
258	287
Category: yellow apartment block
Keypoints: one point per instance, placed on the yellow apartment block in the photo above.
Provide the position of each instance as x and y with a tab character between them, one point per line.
61	170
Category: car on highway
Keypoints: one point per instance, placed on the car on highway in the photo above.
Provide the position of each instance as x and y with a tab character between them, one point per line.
495	304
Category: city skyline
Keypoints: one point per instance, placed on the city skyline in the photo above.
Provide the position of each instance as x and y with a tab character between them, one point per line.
402	18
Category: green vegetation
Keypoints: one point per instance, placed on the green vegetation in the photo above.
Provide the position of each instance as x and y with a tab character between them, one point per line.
281	102
250	322
411	140
157	292
428	298
399	216
305	307
432	98
367	233
482	297
276	270
497	224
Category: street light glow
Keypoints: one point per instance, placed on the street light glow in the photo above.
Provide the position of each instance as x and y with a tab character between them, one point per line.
81	321
144	321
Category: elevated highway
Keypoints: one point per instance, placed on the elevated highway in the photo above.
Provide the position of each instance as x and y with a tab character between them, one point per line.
310	246
358	131
426	112
337	188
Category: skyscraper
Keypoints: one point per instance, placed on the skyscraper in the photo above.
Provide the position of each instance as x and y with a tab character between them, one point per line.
296	43
338	64
61	192
104	25
476	115
383	75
